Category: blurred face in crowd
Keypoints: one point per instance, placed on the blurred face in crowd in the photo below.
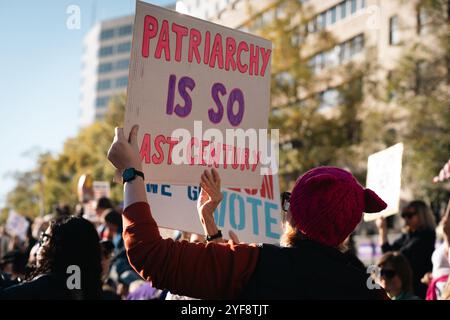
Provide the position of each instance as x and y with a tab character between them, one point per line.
390	280
106	263
112	229
43	244
412	219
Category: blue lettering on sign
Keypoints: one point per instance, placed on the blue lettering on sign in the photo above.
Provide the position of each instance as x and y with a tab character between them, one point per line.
193	192
269	220
236	204
165	190
241	203
255	203
219	216
153	188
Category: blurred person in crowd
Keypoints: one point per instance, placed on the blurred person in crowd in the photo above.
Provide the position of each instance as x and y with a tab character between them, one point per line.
113	228
143	290
70	241
109	287
63	211
325	206
12	267
396	276
4	240
416	243
30	240
102	207
121	272
446	292
126	278
39	226
437	279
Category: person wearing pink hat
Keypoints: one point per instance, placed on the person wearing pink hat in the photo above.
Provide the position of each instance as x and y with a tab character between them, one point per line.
325	206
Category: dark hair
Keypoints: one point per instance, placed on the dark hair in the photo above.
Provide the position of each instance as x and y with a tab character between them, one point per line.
425	215
104	203
74	241
17	259
114	218
401	265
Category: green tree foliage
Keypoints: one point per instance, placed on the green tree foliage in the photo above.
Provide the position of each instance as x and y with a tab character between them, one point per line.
310	134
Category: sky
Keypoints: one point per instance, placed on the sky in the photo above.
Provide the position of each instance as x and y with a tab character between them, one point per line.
40	73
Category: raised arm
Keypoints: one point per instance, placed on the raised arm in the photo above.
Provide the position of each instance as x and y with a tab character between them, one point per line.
212	271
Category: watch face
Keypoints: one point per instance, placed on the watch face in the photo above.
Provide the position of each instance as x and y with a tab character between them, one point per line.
128	174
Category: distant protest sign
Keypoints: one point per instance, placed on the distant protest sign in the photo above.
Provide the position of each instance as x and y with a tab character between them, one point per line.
101	189
200	95
253	214
384	171
17	225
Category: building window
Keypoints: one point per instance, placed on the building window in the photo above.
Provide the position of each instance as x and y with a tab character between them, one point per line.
102	101
357	45
124	47
123	64
125	30
107	34
105	67
421	20
353	6
311	26
333	15
121	82
103	85
362	4
338	55
106	51
342	10
393	30
344	52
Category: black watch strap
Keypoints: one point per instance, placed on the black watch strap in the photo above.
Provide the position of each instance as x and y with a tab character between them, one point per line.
215	236
130	174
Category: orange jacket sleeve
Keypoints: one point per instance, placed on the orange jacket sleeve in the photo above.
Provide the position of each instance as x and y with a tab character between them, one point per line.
205	271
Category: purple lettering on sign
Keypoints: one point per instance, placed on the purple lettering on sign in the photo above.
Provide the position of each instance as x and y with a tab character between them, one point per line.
216	116
171	94
235	95
185	82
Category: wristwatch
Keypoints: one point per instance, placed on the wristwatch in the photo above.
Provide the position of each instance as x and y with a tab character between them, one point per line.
130	174
218	235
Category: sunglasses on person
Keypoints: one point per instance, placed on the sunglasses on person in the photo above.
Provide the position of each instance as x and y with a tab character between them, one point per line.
285	201
43	237
408	214
388	273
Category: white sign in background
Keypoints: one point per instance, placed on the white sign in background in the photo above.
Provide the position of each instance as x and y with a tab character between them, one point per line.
101	189
384	173
16	224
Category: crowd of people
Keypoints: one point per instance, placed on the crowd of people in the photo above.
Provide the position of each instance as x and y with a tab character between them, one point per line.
121	254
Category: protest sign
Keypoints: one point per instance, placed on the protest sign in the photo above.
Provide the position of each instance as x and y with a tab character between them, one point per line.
200	95
17	225
384	170
253	214
101	189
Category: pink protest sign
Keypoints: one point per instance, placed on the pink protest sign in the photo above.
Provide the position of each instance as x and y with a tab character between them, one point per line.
200	94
